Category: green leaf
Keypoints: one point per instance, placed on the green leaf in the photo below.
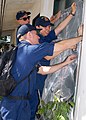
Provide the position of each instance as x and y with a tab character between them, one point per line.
55	110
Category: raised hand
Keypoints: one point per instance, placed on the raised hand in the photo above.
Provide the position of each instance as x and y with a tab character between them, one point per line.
73	8
55	17
80	30
58	15
70	59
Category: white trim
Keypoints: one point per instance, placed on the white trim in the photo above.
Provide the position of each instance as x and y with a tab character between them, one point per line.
47	7
80	107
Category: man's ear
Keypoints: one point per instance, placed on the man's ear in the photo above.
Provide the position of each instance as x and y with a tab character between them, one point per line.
29	34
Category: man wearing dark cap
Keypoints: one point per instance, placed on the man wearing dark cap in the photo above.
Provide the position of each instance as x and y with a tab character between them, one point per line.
16	106
43	23
47	35
22	18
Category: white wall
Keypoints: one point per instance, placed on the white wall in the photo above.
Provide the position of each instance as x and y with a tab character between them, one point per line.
47	7
44	7
80	108
35	9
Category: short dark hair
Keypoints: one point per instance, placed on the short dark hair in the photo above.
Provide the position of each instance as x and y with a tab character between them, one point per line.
21	14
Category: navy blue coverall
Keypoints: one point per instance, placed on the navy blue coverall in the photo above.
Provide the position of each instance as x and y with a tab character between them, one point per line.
27	57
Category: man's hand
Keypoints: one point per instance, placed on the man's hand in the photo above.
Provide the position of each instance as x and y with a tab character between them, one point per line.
73	8
70	59
55	17
73	47
58	15
80	30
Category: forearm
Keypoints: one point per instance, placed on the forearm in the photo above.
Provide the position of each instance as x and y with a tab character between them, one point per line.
62	25
66	44
54	19
53	56
50	69
62	46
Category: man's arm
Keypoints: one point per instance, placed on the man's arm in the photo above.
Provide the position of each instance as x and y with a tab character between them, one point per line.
55	17
66	44
50	69
63	24
63	45
53	56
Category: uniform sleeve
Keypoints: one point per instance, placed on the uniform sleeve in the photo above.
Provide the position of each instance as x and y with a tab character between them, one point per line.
17	40
42	50
51	36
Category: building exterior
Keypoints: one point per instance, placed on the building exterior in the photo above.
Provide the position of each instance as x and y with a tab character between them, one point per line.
47	8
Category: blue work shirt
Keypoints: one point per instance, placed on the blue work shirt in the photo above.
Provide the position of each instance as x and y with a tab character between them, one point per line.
51	36
27	57
41	78
34	101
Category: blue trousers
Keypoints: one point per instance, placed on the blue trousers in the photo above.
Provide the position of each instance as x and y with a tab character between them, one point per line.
15	109
34	101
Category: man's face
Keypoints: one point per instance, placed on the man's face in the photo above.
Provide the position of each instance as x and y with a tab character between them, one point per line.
24	20
45	30
33	37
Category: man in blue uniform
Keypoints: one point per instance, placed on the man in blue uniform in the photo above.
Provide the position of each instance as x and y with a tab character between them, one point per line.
22	17
44	24
47	35
29	53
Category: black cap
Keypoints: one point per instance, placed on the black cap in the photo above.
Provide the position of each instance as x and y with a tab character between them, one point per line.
21	14
43	21
24	29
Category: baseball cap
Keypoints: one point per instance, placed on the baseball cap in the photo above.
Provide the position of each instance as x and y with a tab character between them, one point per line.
24	29
21	14
43	21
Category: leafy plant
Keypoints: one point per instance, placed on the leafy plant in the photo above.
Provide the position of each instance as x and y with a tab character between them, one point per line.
55	110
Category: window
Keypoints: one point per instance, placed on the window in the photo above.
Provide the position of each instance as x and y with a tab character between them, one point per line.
56	6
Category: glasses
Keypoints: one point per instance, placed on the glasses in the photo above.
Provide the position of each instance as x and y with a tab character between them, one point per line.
25	18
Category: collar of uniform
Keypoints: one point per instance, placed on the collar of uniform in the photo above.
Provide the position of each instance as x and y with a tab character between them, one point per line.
24	42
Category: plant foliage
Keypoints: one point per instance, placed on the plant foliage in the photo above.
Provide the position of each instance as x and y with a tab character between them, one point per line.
55	110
